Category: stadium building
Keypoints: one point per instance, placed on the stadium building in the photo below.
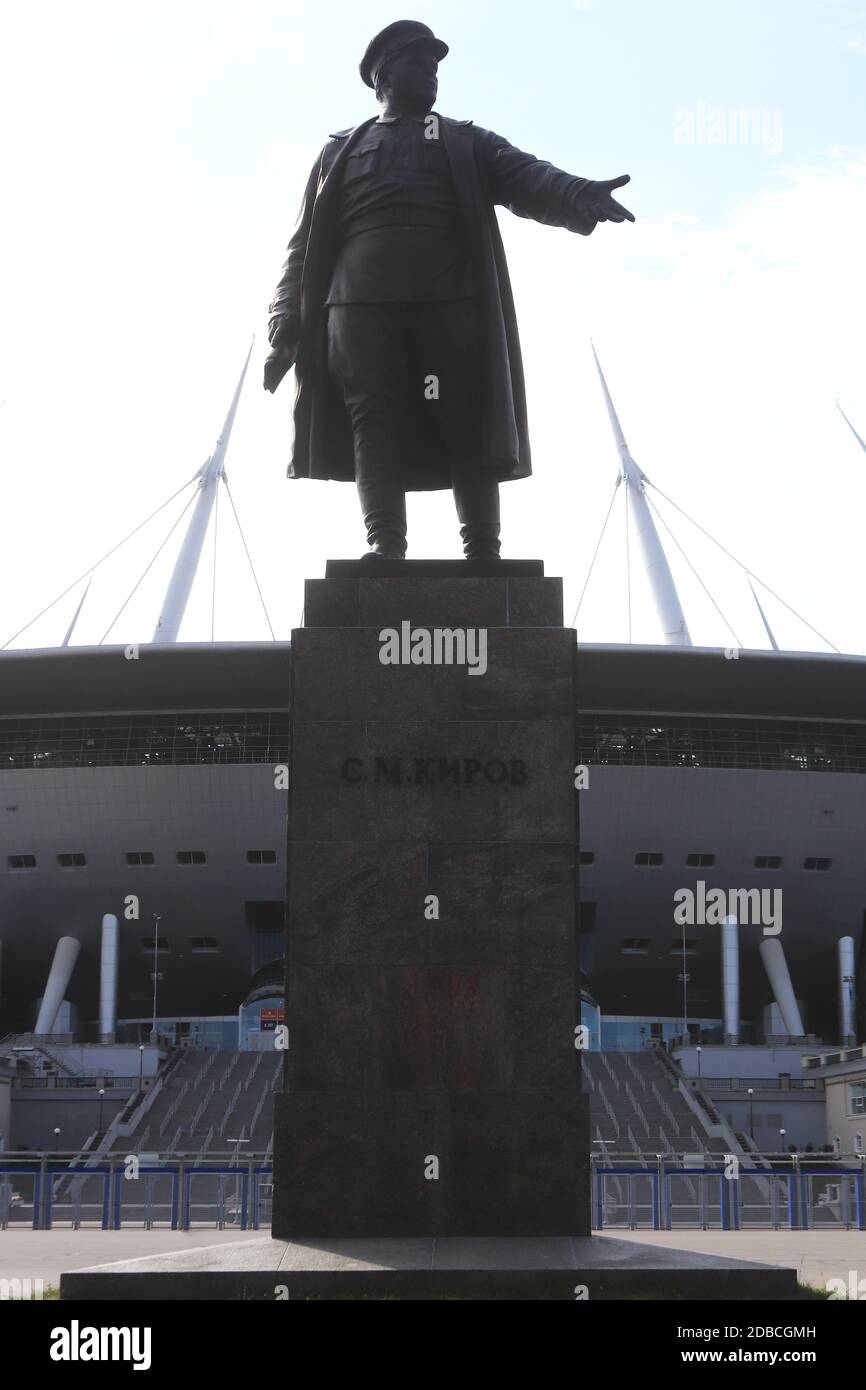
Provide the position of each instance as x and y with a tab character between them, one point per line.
143	821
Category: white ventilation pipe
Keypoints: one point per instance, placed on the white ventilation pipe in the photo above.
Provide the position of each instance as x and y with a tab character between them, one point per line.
108	979
731	980
62	966
780	982
845	948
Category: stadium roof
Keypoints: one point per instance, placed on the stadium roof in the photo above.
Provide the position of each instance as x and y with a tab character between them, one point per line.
255	676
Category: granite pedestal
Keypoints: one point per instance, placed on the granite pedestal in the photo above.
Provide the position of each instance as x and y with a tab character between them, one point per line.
432	1082
594	1269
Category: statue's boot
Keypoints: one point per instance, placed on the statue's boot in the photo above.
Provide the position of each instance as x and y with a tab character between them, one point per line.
476	496
481	541
383	503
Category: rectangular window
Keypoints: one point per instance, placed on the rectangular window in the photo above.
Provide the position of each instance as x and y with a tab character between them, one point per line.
161	944
817	866
700	861
587	858
691	947
635	945
768	861
261	856
649	860
21	861
203	945
191	856
857	1097
71	861
139	857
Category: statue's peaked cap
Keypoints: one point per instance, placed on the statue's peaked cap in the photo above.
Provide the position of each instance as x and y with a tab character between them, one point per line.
392	41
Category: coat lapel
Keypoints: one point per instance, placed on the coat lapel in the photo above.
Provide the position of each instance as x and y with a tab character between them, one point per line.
325	220
459	141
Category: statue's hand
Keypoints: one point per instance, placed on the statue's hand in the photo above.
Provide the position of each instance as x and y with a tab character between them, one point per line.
595	199
280	361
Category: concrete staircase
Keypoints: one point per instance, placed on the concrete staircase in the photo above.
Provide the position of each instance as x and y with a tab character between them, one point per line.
208	1101
637	1106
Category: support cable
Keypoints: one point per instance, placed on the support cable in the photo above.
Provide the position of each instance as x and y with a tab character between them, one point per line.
250	558
94	568
745	568
595	556
652	504
148	568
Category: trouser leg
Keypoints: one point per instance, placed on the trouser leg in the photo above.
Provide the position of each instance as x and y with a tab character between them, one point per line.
476	495
449	342
367	358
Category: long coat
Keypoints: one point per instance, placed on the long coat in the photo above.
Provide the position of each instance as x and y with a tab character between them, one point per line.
487	170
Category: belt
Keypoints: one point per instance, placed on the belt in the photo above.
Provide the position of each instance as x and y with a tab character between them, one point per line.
403	217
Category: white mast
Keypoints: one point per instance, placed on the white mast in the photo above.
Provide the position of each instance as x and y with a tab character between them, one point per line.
183	575
71	628
664	590
861	442
769	631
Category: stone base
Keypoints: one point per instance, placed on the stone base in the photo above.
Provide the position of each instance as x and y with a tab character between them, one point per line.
432	1086
510	1163
559	1269
434	569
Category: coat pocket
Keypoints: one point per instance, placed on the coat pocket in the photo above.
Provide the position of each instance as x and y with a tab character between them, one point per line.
363	162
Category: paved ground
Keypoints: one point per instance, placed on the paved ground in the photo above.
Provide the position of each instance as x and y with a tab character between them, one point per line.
816	1255
48	1254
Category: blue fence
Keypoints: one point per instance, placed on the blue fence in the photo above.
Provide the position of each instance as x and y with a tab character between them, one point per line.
729	1197
171	1194
664	1194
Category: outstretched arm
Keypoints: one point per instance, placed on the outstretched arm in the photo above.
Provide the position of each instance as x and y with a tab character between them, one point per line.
531	187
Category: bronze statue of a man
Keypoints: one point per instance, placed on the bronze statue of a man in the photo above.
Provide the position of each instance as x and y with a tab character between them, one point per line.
395	306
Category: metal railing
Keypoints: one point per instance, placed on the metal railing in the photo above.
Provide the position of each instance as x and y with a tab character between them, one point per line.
631	1190
771	1083
635	740
148	740
75	1083
793	1192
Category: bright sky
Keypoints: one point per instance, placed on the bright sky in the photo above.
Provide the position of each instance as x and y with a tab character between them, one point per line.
153	156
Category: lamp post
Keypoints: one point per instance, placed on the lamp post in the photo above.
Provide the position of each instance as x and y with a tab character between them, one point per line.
155	976
101	1098
698	1050
140	1066
751	1115
685	983
56	1137
782	1133
237	1143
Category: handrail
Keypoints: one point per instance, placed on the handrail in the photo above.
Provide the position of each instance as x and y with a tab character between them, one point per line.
638	1076
664	1105
208	1097
638	1108
230	1107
